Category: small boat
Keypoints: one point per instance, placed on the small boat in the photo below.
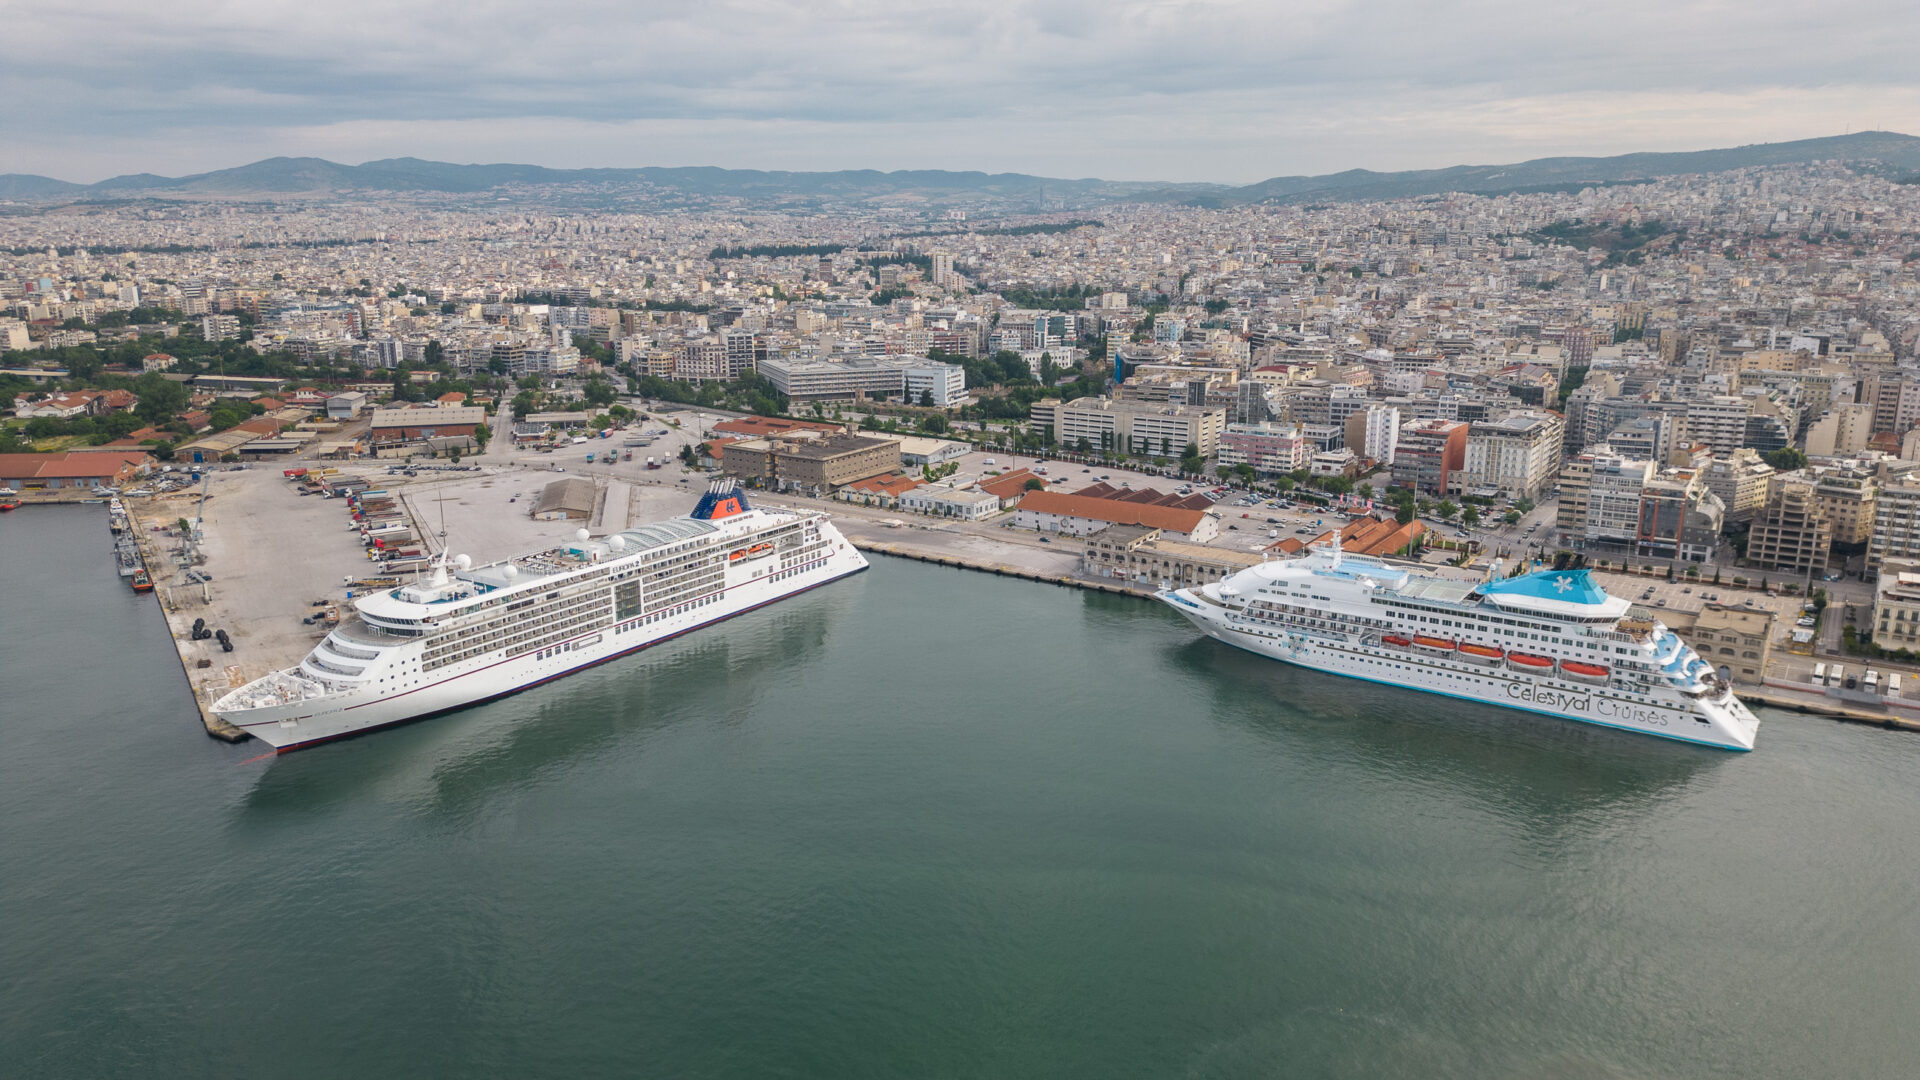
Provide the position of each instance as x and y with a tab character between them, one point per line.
9	505
1485	654
1574	669
1520	661
1438	643
736	556
142	582
1395	640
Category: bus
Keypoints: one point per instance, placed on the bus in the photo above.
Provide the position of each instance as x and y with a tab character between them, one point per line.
1873	681
1819	674
1893	684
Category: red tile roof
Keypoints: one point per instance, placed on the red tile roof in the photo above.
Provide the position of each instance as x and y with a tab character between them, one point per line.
1010	485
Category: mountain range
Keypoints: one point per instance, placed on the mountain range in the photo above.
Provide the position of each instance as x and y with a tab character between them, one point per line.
1890	152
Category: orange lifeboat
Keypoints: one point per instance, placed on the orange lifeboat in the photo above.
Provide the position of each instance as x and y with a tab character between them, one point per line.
1395	641
1588	672
1443	644
736	556
1485	654
1520	661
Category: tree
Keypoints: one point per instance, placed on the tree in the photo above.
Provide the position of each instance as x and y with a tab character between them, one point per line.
1083	446
1404	512
1512	517
1446	509
1786	459
1523	505
1033	483
1470	516
926	399
933	424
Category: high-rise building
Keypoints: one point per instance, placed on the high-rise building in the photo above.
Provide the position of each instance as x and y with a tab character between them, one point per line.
1896	524
1741	483
1792	533
1429	455
1517	456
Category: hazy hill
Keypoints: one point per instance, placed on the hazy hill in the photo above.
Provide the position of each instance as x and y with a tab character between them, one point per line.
1896	150
317	176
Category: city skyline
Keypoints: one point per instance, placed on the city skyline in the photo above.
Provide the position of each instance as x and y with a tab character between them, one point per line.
1224	93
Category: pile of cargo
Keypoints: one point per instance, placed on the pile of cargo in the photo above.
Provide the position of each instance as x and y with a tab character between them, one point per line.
388	534
385	529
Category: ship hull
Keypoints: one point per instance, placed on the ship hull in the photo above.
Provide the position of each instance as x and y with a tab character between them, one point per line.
301	724
1671	716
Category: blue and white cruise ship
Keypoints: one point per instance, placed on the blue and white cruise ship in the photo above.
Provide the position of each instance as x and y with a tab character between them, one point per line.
1549	642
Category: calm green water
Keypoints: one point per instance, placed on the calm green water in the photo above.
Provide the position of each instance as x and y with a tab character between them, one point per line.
925	823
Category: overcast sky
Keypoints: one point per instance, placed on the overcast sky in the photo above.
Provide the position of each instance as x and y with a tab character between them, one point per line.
1121	89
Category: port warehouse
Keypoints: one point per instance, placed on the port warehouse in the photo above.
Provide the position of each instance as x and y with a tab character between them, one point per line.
74	469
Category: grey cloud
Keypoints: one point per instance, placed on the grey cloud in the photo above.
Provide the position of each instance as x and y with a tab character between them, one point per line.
1202	75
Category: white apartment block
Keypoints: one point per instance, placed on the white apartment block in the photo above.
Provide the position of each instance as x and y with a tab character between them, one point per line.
806	379
1719	421
1519	455
1896	525
945	384
1139	427
1383	433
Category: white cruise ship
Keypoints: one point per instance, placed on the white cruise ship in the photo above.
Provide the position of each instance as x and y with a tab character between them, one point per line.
1548	642
467	634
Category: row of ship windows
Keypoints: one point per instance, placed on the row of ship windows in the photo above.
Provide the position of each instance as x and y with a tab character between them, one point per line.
546	632
453	635
784	574
486	636
648	620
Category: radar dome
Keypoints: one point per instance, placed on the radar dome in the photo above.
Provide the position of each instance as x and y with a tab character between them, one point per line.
463	561
617	542
581	535
510	571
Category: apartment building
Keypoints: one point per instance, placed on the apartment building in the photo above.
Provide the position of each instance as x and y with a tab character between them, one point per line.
1429	455
1719	422
1896	605
1896	525
941	385
1849	495
1792	533
1844	430
1600	498
1139	427
1740	481
1269	448
1679	517
1517	456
